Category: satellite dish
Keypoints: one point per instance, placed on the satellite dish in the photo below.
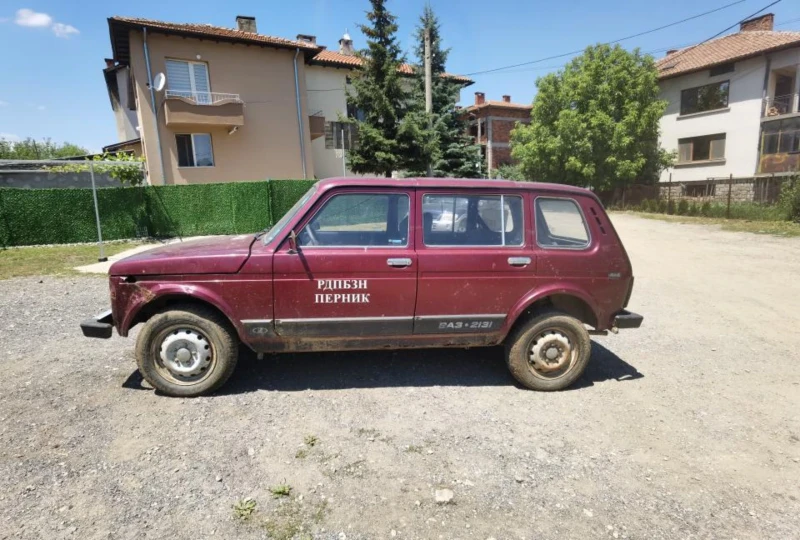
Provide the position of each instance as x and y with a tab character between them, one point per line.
159	82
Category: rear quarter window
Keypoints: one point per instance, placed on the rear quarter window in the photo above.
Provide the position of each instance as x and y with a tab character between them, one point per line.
560	224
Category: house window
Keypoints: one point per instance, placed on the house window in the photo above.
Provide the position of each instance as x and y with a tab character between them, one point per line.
340	135
721	69
781	136
706	148
705	98
188	80
194	150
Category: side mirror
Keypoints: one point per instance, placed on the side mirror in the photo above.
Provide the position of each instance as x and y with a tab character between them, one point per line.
292	242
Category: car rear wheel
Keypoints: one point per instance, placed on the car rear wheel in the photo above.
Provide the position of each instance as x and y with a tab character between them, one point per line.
186	352
548	352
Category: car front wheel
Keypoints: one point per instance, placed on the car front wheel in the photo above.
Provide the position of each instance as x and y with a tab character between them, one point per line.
548	352
186	352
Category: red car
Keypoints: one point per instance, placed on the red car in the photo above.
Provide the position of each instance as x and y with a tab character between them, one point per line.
383	264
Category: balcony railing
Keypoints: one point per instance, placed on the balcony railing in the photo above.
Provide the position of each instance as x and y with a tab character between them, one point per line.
778	105
204	98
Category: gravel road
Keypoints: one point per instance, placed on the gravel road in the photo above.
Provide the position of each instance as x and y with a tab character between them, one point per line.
686	428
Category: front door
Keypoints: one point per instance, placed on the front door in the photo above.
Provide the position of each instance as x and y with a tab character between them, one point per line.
475	260
354	272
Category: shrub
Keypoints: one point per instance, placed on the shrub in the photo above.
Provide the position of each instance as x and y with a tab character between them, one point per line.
705	209
789	202
694	209
670	207
662	206
683	207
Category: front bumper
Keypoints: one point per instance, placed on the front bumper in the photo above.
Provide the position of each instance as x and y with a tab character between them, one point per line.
627	319
99	326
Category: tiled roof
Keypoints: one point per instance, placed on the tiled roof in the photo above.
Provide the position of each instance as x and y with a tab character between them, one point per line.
503	104
728	48
207	30
333	58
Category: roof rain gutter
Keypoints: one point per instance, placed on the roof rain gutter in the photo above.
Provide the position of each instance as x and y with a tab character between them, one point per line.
155	108
299	115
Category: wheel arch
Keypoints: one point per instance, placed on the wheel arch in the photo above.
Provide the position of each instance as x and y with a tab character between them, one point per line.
167	297
573	302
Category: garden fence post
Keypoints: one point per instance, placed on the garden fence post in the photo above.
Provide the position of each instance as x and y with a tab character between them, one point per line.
102	257
669	194
730	187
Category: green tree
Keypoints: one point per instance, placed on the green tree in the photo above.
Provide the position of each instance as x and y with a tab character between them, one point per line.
595	123
379	99
43	149
451	151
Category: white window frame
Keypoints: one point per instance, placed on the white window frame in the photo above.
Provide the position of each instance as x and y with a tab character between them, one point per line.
194	151
192	85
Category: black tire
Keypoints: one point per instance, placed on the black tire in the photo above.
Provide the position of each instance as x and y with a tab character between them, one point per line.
206	327
575	351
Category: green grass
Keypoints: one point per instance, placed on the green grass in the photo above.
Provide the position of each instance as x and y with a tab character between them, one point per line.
281	490
53	260
244	508
775	228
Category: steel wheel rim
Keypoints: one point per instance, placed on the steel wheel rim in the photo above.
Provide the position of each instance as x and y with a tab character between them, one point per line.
184	355
552	353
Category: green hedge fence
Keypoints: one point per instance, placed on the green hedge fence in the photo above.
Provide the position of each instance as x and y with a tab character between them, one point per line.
60	216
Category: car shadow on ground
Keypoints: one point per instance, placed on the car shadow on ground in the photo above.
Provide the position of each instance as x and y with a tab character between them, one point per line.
385	369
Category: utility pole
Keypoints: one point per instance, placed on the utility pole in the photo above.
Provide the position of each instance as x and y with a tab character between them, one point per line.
428	84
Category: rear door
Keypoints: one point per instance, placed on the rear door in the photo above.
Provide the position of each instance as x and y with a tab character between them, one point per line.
475	259
354	273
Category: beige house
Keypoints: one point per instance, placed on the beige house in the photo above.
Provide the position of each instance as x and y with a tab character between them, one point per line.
235	105
212	104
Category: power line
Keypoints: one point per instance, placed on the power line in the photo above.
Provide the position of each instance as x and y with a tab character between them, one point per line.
610	42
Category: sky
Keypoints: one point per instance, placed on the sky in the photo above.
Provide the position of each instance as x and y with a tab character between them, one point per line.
52	51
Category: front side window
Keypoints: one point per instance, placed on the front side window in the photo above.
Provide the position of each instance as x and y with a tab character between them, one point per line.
560	224
705	148
194	150
359	220
188	80
472	220
705	98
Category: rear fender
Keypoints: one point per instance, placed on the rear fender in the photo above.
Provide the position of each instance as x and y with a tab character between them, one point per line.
522	306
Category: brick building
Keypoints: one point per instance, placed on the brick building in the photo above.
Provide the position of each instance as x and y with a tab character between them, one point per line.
490	124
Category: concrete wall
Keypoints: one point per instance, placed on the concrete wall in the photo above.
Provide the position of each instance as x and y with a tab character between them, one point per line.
125	111
740	122
267	146
42	179
332	103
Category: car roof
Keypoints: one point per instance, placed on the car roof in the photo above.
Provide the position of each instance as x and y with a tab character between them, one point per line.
459	183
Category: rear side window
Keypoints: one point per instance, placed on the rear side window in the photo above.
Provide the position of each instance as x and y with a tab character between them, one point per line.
560	224
359	220
472	220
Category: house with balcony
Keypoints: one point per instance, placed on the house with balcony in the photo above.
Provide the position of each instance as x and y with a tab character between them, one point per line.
211	104
235	105
733	105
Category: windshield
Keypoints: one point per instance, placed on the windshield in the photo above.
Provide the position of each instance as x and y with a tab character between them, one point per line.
287	217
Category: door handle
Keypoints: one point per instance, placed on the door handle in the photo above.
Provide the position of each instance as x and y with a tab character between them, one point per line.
401	262
519	261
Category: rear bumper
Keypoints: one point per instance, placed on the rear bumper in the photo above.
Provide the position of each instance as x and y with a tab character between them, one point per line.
99	326
627	319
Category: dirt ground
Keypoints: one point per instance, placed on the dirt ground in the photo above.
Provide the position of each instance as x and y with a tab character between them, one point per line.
686	428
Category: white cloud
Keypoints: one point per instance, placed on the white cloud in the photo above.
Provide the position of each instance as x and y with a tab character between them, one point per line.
64	30
28	17
41	107
3	103
10	137
33	19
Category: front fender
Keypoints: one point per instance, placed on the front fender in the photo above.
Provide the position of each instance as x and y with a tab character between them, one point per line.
138	295
534	295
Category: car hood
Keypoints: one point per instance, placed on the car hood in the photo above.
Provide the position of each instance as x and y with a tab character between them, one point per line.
218	255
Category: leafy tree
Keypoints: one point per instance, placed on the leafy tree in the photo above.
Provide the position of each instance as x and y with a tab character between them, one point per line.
380	99
44	149
129	169
451	151
595	123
